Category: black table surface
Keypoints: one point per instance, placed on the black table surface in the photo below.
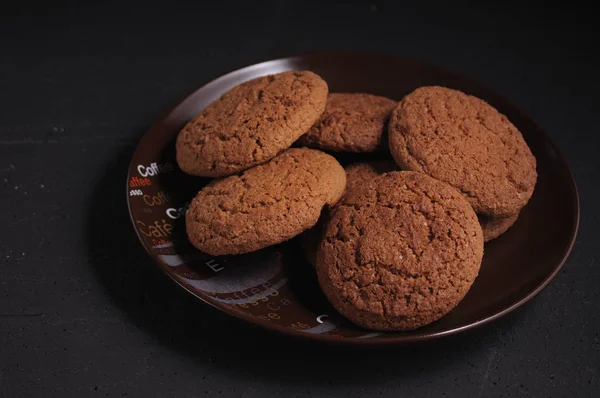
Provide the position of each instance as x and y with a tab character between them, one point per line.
85	316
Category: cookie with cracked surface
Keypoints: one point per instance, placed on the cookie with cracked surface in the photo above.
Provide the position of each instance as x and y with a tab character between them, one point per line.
400	252
351	122
265	205
464	141
494	227
357	174
361	173
251	123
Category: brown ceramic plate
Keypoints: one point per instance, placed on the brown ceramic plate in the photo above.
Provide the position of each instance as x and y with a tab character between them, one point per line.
276	287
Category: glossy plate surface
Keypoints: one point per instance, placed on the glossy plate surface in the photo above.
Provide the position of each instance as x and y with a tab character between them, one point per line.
276	287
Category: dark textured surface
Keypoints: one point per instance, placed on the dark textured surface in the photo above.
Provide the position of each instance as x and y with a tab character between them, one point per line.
82	315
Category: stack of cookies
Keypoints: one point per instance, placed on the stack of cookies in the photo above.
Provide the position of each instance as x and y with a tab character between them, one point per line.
396	242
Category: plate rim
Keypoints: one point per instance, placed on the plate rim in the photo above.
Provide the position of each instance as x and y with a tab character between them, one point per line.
382	339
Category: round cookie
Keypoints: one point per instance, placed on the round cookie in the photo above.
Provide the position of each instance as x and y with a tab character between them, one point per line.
351	122
266	204
399	253
494	227
464	141
357	174
361	173
251	123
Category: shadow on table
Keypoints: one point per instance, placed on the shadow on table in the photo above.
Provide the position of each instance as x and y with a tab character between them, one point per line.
176	319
